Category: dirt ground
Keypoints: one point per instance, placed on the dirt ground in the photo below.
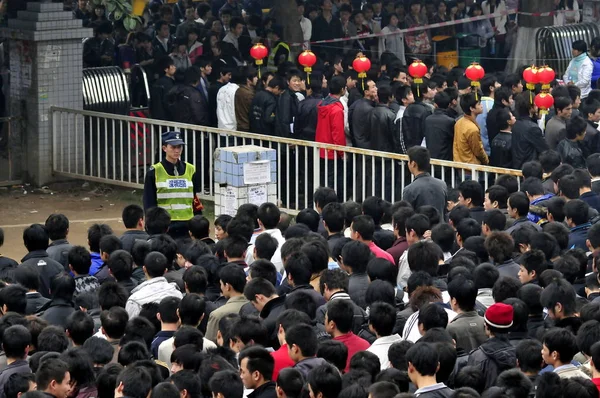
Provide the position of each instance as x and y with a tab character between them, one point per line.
84	204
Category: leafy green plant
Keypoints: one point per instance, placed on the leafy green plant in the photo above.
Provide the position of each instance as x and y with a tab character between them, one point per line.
121	10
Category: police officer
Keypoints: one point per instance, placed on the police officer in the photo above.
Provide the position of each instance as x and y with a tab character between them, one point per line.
172	184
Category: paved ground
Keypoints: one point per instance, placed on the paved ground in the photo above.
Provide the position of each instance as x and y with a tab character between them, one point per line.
83	205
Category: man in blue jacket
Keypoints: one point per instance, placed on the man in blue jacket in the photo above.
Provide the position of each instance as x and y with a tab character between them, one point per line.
576	215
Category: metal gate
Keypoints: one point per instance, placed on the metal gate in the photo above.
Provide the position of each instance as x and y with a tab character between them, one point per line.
553	46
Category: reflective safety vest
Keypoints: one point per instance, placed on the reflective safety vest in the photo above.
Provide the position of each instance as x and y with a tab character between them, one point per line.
175	193
271	67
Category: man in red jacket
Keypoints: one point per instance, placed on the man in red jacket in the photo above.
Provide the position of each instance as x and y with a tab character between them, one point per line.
330	130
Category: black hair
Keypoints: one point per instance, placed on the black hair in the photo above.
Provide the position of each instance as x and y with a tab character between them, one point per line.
137	381
228	383
304	337
110	243
165	389
235	246
250	329
342	313
509	182
131	215
199	226
100	350
568	267
333	216
15	341
325	379
259	286
464	291
545	243
457	214
495	220
265	246
139	251
132	352
157	219
563	342
80	327
80	259
498	193
334	352
432	316
505	287
549	160
165	245
397	354
468	101
15	298
365	361
80	367
188	335
120	264
49	370
57	226
577	211
519	202
380	268
259	360
418	223
191	308
35	237
268	214
523	104
188	380
382	316
587	335
155	264
111	294
559	231
424	358
299	268
532	169
529	355
18	383
196	279
421	156
317	252
472	190
107	379
264	269
226	326
323	196
559	291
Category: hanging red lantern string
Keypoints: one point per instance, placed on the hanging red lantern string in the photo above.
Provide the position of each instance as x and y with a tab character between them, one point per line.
544	101
417	70
259	52
545	76
307	59
361	65
475	73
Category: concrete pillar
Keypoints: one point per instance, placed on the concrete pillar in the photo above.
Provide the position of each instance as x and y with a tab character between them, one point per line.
46	68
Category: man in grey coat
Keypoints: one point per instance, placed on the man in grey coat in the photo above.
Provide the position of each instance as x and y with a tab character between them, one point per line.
425	189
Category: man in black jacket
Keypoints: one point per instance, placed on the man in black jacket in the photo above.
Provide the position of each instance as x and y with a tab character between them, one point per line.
496	354
36	241
305	125
186	102
159	108
502	143
527	137
413	120
359	116
383	138
99	50
439	129
264	107
503	98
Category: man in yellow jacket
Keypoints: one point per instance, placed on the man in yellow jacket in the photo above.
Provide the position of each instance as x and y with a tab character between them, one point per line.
468	147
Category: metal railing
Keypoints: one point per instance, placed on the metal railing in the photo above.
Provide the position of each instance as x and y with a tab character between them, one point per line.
553	43
115	149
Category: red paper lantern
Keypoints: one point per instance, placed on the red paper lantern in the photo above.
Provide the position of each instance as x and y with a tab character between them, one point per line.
544	101
417	70
474	72
307	59
258	52
530	75
361	65
545	76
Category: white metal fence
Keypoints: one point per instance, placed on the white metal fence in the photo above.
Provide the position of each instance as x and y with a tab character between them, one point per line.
115	149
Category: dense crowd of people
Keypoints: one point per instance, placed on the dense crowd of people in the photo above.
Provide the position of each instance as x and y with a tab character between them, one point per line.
450	292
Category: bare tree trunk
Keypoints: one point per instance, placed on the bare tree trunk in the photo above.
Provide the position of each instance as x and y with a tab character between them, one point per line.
286	13
523	51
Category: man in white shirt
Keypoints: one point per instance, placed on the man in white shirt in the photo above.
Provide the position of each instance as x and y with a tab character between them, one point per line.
305	25
226	103
268	218
382	318
155	288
